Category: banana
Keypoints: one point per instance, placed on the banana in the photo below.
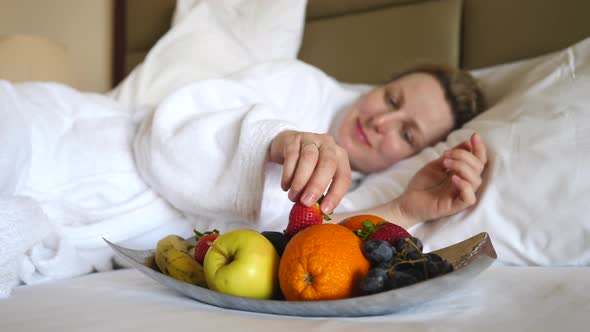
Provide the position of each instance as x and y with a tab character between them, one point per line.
173	259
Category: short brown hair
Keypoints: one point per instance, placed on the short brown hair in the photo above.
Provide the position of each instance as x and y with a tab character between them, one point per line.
460	88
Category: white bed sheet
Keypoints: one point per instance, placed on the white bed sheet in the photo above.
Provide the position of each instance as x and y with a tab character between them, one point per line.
502	298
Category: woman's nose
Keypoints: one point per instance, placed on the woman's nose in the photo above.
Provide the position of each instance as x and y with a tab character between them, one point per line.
383	122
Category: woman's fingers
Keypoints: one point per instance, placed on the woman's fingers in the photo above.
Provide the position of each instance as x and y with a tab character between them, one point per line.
338	189
308	158
290	157
311	164
333	167
464	170
463	161
464	156
333	171
322	175
479	149
465	145
474	145
469	165
466	193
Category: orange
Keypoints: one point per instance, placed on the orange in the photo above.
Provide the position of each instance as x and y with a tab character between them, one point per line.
356	222
322	262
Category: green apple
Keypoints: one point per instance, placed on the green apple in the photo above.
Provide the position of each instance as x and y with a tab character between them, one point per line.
244	263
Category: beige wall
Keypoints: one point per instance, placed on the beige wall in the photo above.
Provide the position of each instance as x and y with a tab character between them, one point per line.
83	26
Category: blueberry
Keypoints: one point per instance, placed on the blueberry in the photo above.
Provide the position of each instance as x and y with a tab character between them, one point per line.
442	265
417	272
385	265
409	242
374	281
397	258
445	267
410	248
416	241
401	246
433	257
403	266
377	251
393	250
400	279
433	269
413	254
437	268
390	263
278	239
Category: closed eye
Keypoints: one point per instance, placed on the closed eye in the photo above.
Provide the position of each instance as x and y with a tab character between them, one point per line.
393	98
393	104
408	137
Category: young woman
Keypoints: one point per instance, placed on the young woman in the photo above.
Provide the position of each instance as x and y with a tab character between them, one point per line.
76	168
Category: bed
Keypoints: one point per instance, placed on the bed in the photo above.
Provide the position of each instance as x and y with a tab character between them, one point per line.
533	60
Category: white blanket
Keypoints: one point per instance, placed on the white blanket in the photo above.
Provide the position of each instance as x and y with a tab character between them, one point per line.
68	178
514	299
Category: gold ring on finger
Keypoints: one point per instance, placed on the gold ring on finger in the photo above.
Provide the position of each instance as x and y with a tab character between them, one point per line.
306	144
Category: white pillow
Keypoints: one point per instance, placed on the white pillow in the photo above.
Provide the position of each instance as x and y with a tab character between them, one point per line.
212	38
182	9
536	189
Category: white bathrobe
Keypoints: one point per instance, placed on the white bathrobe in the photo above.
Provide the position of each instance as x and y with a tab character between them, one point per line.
77	167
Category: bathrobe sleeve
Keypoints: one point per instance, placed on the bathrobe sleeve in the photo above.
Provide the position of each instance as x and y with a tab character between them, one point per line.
204	149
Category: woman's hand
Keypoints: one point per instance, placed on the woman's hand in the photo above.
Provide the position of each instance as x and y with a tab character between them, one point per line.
310	162
446	185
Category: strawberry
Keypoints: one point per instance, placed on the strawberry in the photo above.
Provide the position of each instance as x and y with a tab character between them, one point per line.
202	243
302	217
389	232
384	230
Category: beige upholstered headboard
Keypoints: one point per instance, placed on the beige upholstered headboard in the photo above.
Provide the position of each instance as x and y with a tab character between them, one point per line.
366	40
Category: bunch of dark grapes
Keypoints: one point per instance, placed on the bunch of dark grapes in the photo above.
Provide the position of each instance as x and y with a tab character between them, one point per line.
400	264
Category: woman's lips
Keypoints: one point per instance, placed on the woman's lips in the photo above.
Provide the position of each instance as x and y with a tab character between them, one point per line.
360	133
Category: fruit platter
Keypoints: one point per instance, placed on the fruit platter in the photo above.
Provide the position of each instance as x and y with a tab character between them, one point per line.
362	266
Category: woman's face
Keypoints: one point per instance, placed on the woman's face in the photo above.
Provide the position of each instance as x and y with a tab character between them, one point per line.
395	121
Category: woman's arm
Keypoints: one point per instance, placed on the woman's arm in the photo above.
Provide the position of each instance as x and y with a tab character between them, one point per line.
389	211
206	147
441	188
